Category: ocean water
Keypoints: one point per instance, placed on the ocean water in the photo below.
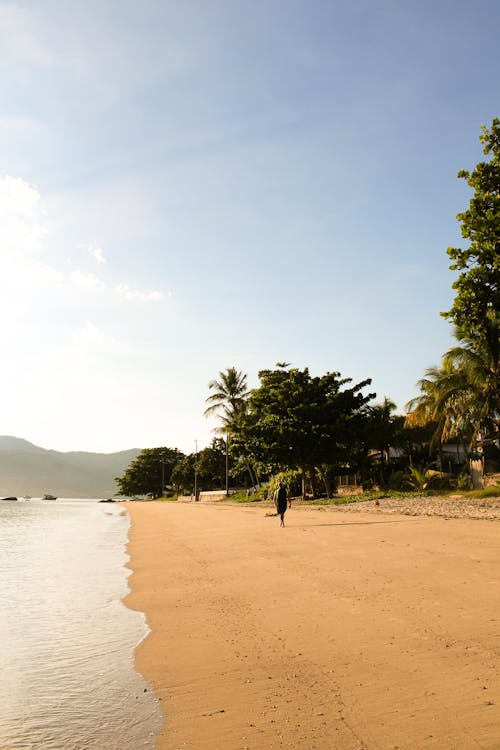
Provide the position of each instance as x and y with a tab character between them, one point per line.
67	678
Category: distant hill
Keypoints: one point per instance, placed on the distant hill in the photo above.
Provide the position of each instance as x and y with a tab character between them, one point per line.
27	469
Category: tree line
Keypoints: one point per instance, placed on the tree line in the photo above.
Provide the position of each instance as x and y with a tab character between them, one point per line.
461	396
317	428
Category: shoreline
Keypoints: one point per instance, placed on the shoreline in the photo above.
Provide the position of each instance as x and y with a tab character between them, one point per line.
357	631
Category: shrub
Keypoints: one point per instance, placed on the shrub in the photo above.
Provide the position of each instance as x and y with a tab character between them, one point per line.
463	482
397	480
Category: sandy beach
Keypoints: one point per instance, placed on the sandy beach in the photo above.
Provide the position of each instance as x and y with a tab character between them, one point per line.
370	630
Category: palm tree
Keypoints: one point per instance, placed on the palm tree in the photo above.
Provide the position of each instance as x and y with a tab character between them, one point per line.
228	397
479	363
382	427
463	395
445	401
227	401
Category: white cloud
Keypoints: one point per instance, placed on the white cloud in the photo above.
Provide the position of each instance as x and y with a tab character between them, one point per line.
90	339
22	224
92	282
97	253
23	231
24	237
87	280
134	294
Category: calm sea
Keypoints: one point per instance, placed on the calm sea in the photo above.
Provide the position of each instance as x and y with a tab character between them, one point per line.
67	679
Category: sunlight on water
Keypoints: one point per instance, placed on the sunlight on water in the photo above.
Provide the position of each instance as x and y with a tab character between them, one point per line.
67	641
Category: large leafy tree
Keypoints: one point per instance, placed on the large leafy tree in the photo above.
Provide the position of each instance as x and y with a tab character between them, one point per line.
296	421
149	472
477	286
183	474
383	432
209	465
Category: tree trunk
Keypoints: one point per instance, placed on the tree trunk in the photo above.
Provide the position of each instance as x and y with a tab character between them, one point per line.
250	473
313	481
476	472
303	484
326	482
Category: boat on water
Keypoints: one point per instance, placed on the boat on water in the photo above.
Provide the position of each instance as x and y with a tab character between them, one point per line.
11	499
49	497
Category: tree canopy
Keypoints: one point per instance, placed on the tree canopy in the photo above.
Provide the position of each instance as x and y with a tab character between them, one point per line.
227	397
150	472
297	421
477	286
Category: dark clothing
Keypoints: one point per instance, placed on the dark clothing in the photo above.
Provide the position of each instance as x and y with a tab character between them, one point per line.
281	500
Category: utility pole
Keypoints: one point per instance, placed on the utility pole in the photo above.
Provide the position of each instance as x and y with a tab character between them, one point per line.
227	464
196	471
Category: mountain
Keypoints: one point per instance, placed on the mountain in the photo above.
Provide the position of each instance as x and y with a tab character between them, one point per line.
27	469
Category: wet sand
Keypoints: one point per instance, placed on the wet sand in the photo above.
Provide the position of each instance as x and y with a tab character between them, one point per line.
349	631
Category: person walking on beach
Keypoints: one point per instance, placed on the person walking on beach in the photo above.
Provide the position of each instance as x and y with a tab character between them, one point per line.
282	500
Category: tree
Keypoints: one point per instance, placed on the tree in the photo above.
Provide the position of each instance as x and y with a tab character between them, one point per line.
477	287
211	465
448	403
462	396
227	401
228	397
442	401
383	427
479	365
150	472
296	421
183	474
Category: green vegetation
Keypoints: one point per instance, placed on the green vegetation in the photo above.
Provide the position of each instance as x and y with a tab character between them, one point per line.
242	496
363	497
483	492
477	287
297	422
316	432
149	473
169	497
228	401
461	398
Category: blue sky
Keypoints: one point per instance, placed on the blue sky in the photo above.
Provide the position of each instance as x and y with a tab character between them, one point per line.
188	186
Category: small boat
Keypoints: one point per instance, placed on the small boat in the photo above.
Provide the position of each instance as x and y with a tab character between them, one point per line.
26	497
49	497
11	499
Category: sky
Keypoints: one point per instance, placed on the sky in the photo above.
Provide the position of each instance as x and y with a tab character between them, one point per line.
190	186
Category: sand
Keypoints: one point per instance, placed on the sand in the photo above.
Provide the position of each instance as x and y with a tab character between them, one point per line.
343	631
